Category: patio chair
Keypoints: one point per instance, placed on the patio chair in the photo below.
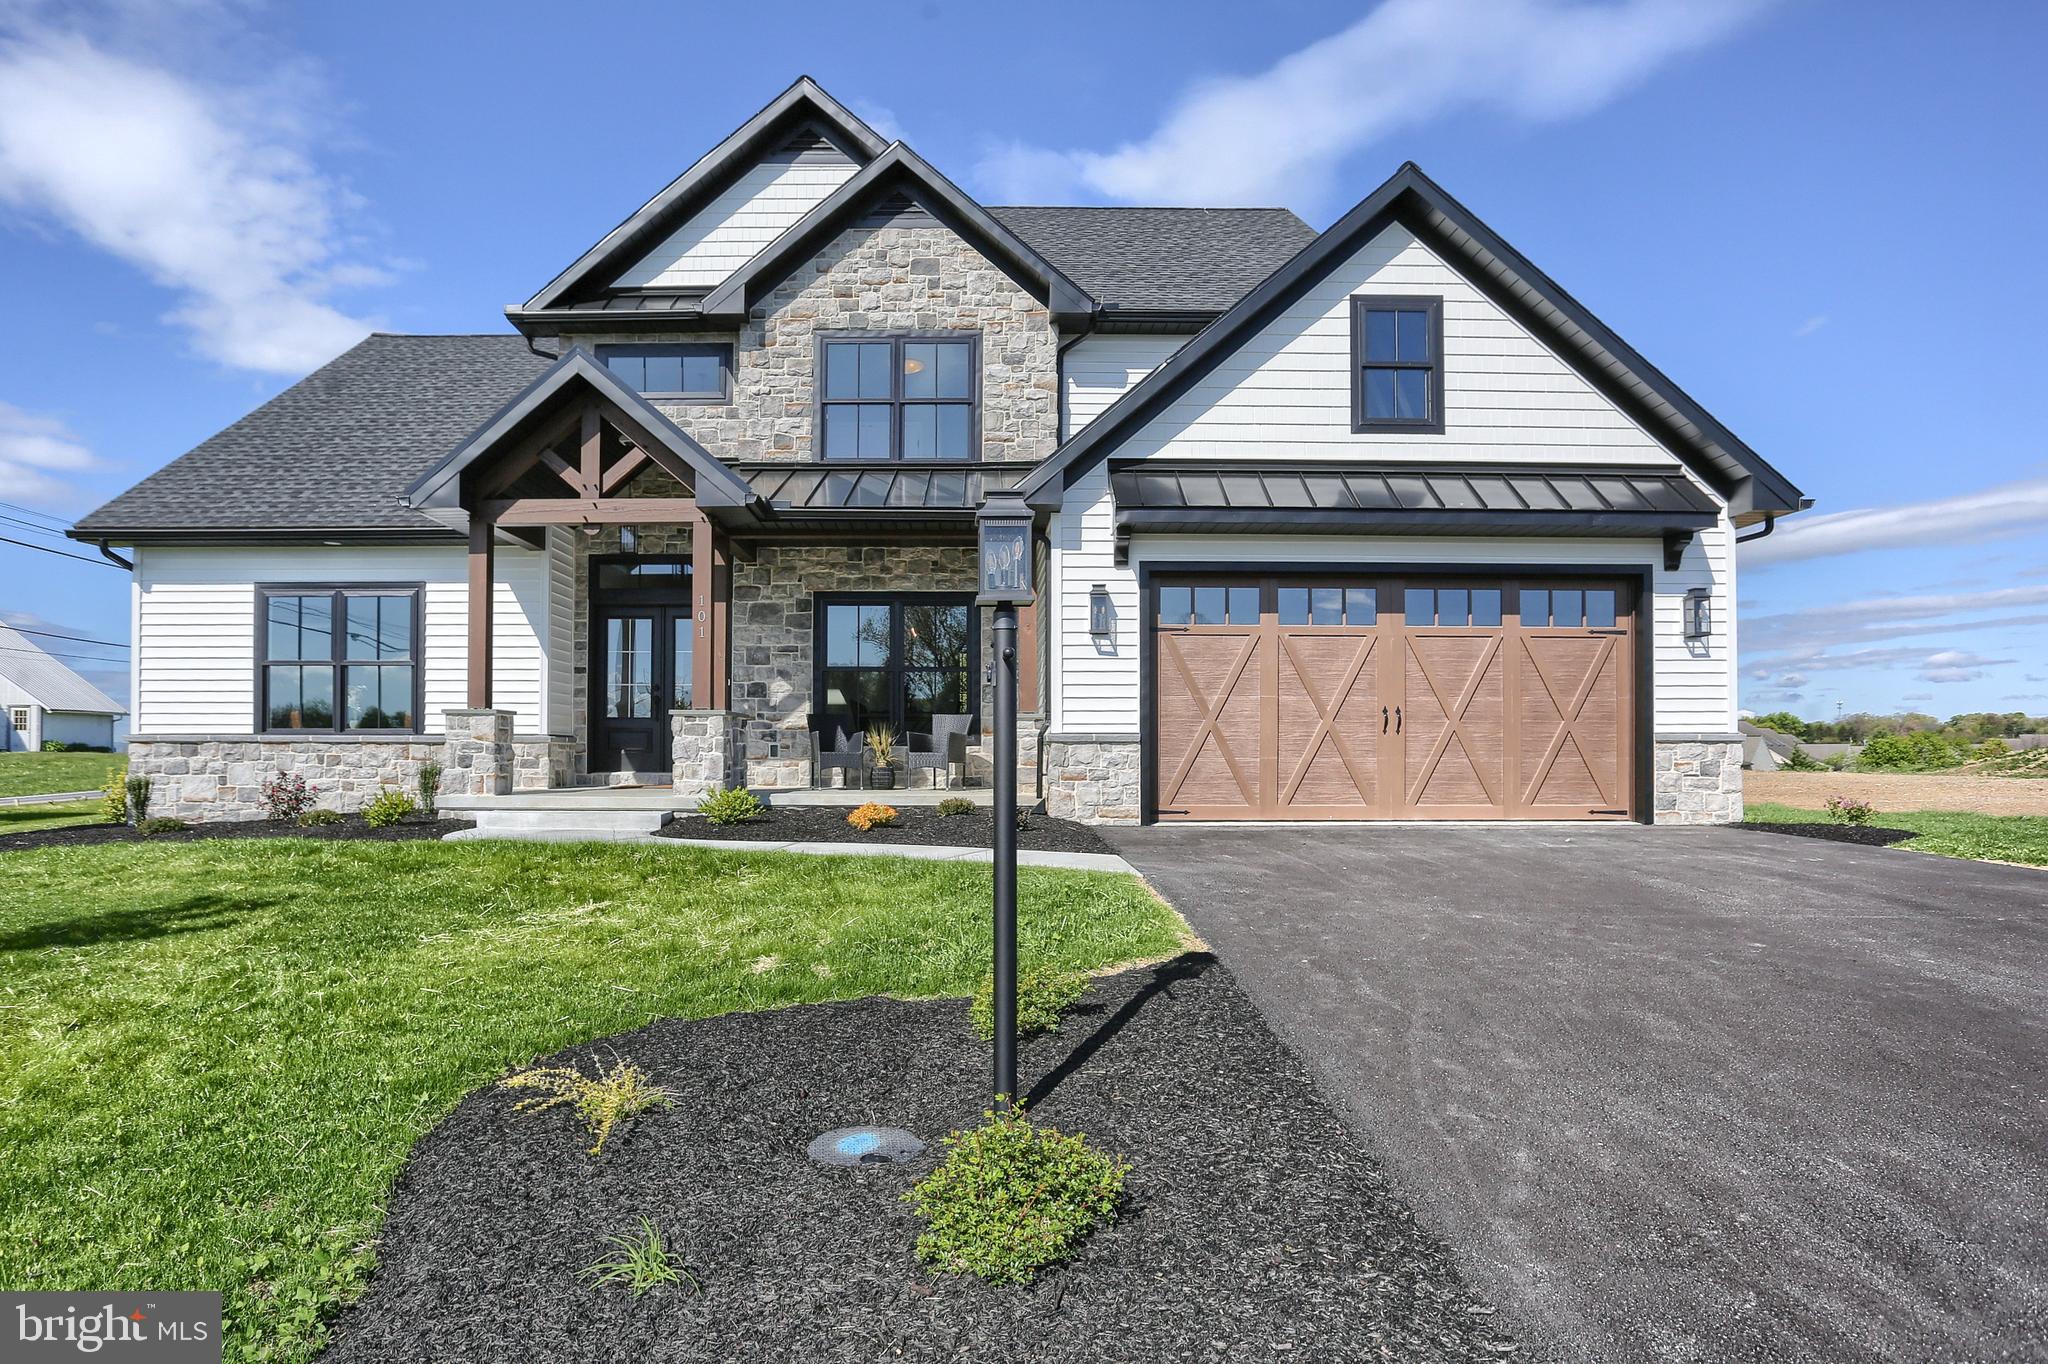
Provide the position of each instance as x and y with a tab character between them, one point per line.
836	746
940	749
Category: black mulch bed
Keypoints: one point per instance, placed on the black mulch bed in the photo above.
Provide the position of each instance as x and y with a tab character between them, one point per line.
919	824
1256	1227
1867	835
352	827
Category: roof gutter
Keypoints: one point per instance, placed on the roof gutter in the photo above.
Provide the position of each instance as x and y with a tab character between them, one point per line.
111	557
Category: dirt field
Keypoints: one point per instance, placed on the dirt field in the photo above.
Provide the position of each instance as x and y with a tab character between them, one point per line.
1930	791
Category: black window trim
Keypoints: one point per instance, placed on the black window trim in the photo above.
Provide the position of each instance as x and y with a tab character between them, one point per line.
895	601
896	402
722	351
1361	304
340	591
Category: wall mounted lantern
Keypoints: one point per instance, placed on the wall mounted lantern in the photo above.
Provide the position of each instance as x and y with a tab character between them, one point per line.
1699	619
1099	622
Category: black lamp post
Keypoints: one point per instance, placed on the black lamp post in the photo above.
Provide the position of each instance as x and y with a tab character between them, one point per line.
1006	572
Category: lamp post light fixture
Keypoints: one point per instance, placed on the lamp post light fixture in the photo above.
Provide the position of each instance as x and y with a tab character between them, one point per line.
1004	526
1699	616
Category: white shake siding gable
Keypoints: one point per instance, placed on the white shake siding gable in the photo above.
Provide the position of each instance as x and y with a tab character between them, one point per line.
195	630
732	229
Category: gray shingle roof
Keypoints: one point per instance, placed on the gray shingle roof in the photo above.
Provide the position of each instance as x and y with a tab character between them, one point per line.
337	448
54	686
1196	259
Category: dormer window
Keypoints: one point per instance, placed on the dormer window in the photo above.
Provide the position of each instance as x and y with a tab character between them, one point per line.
898	397
1397	373
692	373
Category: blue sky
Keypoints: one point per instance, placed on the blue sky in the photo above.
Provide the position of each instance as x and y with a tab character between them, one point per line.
1803	212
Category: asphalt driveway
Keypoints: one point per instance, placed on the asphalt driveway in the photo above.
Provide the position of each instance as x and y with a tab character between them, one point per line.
1673	1094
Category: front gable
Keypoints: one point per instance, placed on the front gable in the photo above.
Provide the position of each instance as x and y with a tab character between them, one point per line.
1285	393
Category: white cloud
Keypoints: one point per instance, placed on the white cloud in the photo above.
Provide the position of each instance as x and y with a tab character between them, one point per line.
208	190
2009	509
35	453
1918	696
1279	136
1810	326
879	117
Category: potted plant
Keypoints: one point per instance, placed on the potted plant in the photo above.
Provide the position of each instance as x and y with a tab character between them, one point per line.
882	743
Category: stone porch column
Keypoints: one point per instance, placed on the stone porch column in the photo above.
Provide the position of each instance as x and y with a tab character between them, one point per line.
703	752
478	759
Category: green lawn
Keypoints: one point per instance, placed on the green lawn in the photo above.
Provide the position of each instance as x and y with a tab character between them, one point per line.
1995	838
21	819
214	1056
34	774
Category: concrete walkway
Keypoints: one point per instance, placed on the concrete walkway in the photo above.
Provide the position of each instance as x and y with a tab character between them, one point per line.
50	798
925	852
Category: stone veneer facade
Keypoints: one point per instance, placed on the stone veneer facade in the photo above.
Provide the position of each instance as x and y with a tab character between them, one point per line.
1093	778
1697	781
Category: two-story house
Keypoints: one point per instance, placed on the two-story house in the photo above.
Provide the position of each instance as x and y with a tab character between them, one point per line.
1368	524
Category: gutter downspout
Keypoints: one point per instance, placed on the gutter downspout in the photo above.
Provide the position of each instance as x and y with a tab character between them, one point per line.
1059	374
108	554
1770	524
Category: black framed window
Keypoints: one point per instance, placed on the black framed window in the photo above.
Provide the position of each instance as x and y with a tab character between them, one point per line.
696	372
898	397
897	660
338	659
1397	372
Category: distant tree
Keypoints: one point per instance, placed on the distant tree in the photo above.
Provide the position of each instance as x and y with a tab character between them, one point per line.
1783	721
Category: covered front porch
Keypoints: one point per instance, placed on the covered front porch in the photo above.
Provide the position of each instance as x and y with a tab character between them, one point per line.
720	625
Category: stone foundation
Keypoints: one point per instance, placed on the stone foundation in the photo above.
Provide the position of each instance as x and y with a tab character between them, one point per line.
1092	778
212	779
538	764
704	755
1697	780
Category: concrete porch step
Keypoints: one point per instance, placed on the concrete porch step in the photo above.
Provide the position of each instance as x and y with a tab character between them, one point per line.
853	795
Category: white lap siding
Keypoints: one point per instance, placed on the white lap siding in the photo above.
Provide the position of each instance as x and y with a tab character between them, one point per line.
196	645
1097	370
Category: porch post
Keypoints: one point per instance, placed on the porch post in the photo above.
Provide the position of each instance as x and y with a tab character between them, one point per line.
710	614
480	557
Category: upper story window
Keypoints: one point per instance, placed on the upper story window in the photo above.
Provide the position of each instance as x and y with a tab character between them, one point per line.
1397	372
697	373
339	659
898	397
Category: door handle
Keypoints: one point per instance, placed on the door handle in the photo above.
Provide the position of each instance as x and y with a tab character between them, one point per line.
1397	719
1383	719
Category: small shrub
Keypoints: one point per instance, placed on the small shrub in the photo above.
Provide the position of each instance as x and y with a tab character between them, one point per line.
430	787
1837	762
1043	998
1993	747
288	795
1012	1198
114	798
615	1095
639	1262
873	815
55	746
732	805
138	798
954	805
314	818
1799	760
388	807
1900	752
1849	810
162	824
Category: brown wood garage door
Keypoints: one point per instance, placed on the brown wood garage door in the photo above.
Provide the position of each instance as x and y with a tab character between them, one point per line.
1393	698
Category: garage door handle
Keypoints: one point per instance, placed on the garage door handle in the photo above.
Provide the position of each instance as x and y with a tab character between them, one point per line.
1383	719
1397	719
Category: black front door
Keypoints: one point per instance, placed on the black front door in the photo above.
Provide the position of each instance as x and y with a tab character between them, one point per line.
640	654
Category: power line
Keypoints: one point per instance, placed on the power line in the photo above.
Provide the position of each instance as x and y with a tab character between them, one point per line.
36	526
52	634
57	521
52	653
107	563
